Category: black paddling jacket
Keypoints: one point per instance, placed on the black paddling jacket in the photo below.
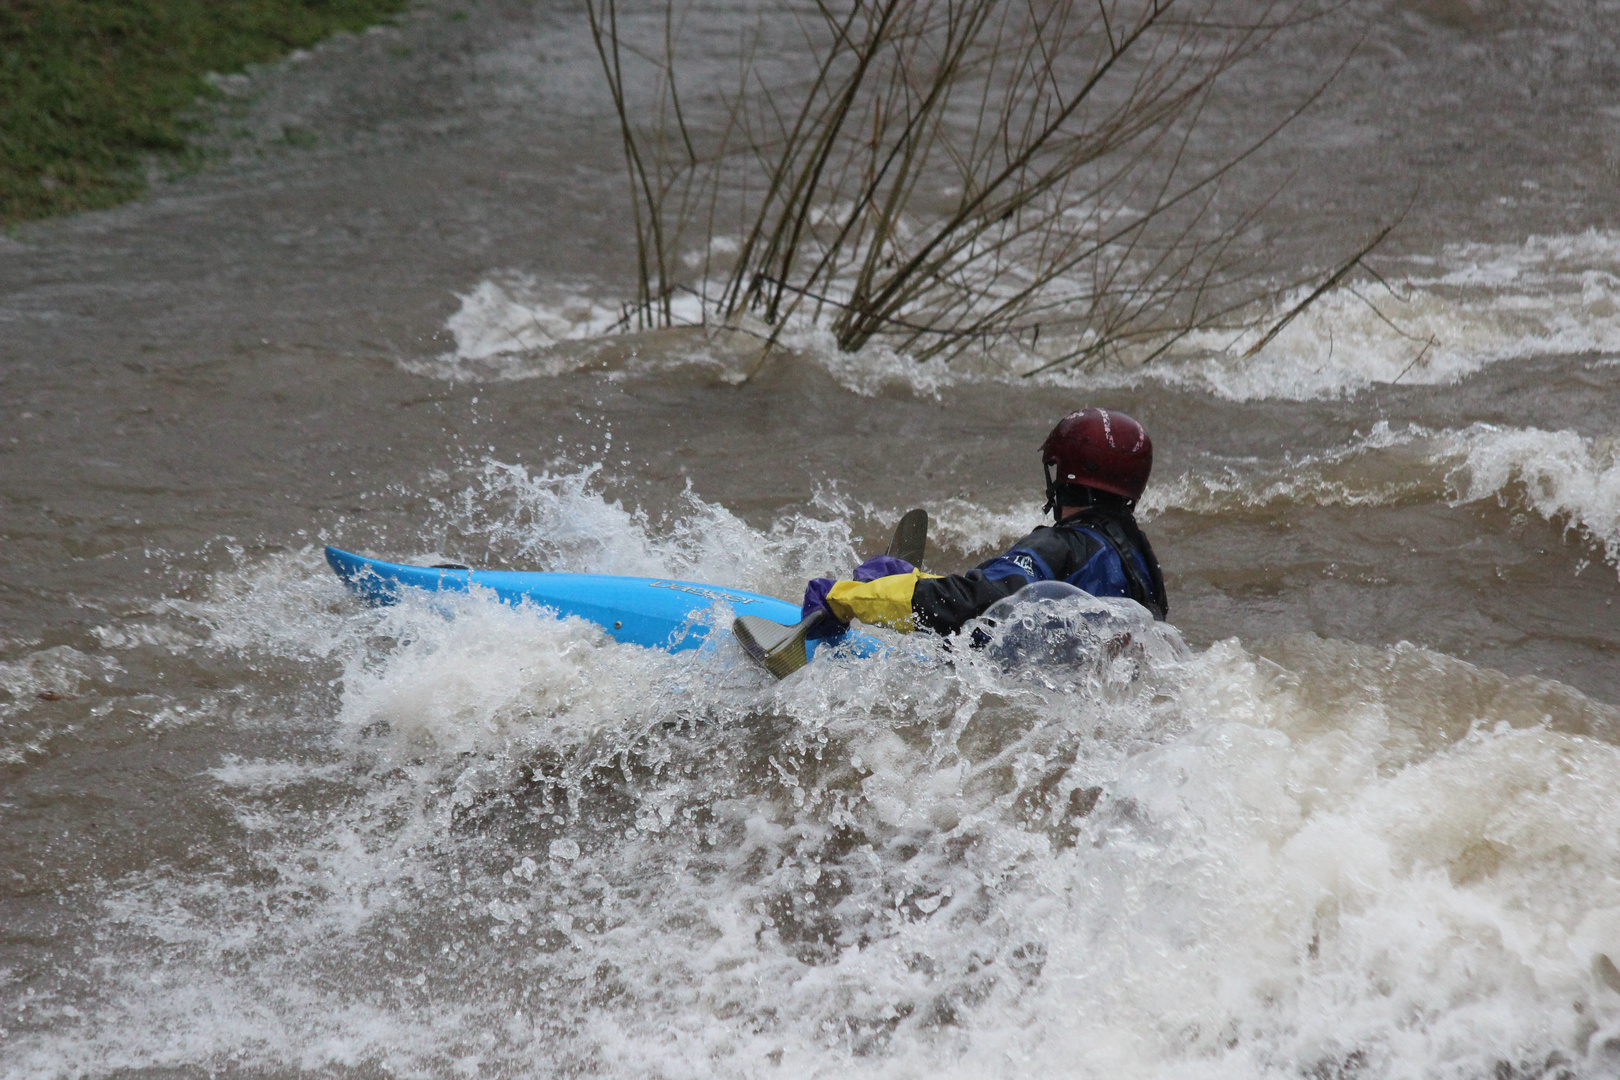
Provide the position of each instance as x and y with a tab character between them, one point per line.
1101	552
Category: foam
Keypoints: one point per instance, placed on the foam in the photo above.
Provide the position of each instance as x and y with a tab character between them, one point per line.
61	669
503	318
876	366
969	527
491	674
28	720
260	775
1562	476
1448	316
1270	884
513	327
541	852
549	520
172	639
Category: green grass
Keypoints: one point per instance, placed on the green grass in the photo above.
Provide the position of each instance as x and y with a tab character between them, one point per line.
90	90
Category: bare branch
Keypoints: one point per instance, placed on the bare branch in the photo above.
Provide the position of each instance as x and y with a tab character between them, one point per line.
948	174
1316	293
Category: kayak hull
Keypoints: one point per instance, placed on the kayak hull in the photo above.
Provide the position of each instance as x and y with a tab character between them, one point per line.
657	613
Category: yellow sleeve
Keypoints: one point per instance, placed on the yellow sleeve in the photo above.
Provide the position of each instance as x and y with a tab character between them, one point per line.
884	602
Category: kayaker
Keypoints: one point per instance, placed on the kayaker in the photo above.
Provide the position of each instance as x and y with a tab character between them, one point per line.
1096	463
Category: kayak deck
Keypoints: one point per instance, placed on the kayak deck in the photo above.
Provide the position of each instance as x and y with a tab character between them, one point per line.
658	613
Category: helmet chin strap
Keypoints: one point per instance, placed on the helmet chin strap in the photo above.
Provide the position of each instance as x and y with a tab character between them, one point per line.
1080	495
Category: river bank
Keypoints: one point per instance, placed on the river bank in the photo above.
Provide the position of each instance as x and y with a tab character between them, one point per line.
94	94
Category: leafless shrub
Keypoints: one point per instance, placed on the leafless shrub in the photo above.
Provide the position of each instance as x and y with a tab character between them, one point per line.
942	174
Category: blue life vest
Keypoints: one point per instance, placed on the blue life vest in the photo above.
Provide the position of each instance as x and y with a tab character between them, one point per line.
1102	575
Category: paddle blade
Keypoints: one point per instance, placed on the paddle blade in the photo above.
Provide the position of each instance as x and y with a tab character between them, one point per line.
778	649
910	537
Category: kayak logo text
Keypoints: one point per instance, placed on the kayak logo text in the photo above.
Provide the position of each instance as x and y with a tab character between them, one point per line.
698	590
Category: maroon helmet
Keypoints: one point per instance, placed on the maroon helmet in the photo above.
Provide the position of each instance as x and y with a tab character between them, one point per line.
1096	448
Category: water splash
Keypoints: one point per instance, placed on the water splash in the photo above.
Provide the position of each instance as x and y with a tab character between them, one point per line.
538	851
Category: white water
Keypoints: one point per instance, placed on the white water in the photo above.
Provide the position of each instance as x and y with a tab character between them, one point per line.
541	852
1561	476
1446	317
255	829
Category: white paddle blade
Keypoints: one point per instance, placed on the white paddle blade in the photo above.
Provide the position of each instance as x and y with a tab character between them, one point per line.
778	649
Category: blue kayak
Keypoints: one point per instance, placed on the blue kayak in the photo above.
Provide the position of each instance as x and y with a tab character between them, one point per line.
659	613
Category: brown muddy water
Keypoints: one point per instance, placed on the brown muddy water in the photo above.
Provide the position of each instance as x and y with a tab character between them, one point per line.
1367	823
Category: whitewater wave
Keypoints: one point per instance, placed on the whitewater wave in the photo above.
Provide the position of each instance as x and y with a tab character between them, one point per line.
513	327
1561	476
499	318
1449	316
543	852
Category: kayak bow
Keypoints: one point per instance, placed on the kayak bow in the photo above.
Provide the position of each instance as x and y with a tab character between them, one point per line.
658	613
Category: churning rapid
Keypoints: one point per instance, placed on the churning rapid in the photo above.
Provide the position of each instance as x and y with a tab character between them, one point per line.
1356	813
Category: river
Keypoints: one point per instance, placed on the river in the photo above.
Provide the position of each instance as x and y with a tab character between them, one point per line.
1365	823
